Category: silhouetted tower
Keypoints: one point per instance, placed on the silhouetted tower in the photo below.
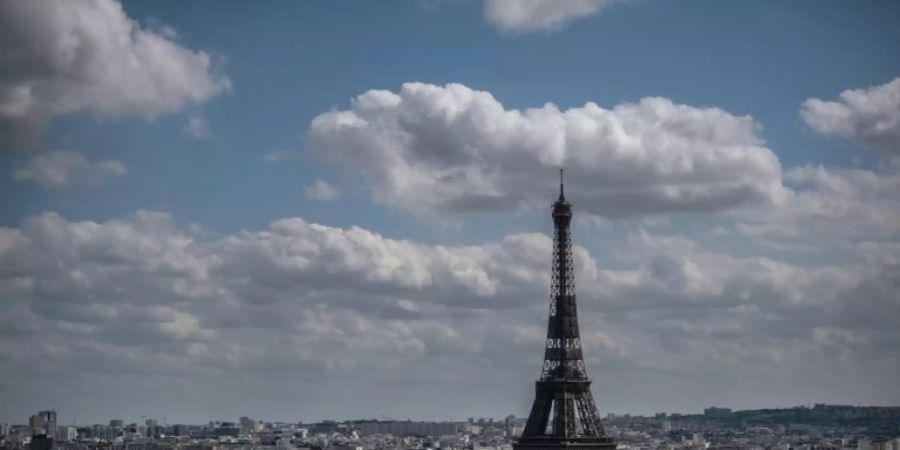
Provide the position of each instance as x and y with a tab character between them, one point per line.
563	414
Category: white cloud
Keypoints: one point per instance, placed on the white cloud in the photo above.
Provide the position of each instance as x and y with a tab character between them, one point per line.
179	324
433	149
139	299
827	212
60	169
846	202
869	116
321	190
523	16
360	260
198	128
89	56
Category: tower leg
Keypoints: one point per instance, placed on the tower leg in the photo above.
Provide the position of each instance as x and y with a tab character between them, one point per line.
540	413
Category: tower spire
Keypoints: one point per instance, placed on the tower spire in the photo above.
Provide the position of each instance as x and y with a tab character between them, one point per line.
561	184
563	414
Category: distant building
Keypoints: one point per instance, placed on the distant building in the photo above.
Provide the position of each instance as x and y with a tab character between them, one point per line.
66	434
698	440
105	432
36	425
18	433
152	428
408	428
881	443
43	423
715	413
141	443
227	429
247	424
41	442
49	422
509	424
666	425
346	446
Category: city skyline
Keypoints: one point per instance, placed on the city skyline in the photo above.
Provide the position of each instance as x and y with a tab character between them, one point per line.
833	427
715	412
330	210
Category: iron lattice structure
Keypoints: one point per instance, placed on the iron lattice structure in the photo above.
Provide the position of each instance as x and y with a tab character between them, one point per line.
564	414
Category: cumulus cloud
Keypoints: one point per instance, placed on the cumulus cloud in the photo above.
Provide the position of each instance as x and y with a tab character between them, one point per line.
140	298
60	169
827	211
63	57
868	116
851	203
440	149
321	190
524	16
358	259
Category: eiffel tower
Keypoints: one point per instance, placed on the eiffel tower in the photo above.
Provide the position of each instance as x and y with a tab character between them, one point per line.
563	392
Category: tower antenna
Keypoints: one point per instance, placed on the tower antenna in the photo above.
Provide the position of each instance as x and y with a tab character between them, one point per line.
561	184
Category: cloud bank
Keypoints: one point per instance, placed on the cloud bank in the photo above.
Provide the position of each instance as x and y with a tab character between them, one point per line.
322	308
451	149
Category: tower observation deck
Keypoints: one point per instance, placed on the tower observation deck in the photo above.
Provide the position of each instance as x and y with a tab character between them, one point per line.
564	414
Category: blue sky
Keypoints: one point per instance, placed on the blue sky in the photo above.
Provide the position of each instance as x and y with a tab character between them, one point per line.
813	197
756	58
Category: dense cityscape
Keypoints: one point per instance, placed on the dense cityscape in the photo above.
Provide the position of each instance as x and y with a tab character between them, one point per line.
820	427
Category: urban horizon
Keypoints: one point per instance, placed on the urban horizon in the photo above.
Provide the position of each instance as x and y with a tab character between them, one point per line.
136	419
821	425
